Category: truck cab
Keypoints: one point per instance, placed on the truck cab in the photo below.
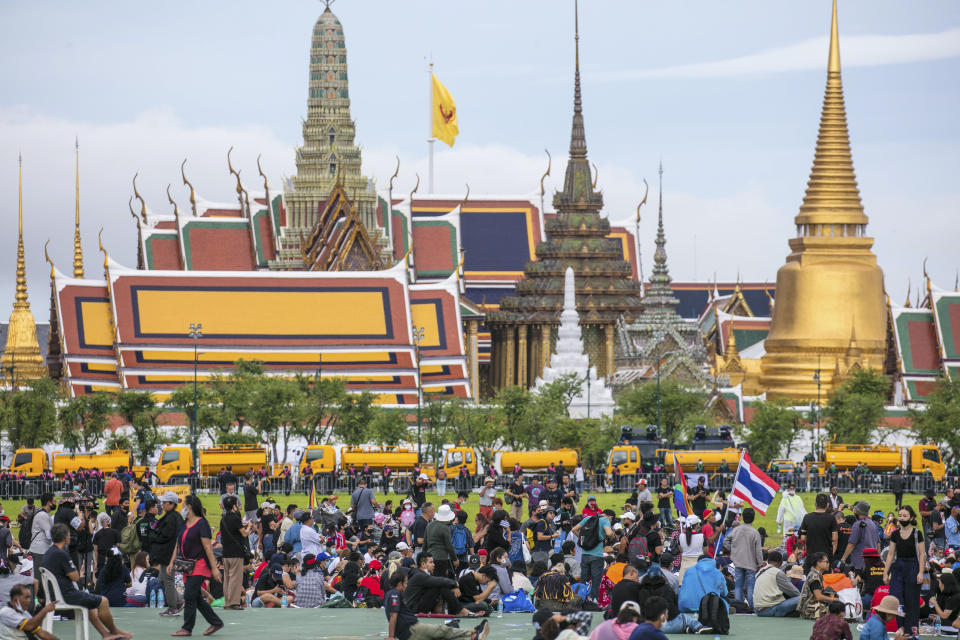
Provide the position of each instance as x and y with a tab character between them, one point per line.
926	456
322	458
31	462
174	464
460	456
636	446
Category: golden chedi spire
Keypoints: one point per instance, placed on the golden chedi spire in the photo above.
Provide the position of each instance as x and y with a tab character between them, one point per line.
831	274
77	244
21	356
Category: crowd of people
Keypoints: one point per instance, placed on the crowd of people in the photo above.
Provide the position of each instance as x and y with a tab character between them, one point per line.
526	546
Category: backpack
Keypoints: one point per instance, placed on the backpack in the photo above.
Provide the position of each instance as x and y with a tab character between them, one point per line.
713	614
25	535
590	533
638	548
459	537
129	539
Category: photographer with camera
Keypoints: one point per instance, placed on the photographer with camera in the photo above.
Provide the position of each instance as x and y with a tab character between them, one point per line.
863	535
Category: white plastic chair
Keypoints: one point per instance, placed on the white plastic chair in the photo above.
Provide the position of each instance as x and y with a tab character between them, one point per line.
81	617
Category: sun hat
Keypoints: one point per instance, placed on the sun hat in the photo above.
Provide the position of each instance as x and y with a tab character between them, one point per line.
403	546
692	520
796	572
628	515
862	507
375	565
445	513
543	503
642	481
889	604
423	476
170	496
618	527
488	479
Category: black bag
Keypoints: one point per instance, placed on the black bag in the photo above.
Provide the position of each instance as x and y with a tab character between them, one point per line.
184	565
590	533
25	535
713	614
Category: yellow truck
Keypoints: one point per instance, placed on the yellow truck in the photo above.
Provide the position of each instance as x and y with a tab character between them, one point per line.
177	460
535	461
399	459
32	462
688	458
321	457
913	459
461	456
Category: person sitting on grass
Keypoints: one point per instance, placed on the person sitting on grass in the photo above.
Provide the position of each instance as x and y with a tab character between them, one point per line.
113	579
655	613
270	588
426	592
16	620
875	627
403	624
832	626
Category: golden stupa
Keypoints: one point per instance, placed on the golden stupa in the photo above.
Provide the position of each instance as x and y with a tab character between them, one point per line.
21	356
830	316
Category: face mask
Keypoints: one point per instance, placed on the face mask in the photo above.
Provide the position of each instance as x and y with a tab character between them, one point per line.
505	561
183	512
791	493
904	523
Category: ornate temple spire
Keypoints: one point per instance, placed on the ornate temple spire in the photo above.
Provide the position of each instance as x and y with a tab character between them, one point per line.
577	190
660	298
832	196
77	243
21	355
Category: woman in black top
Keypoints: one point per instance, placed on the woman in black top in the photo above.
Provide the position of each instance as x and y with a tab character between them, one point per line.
947	604
903	571
497	533
194	543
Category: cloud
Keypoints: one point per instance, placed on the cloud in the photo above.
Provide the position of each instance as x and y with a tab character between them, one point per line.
744	229
855	51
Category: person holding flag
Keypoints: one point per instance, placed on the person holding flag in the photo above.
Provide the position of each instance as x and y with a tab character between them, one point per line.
680	499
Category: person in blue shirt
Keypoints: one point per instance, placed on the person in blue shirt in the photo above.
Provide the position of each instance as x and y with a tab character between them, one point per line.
293	533
951	525
655	613
591	560
699	580
875	626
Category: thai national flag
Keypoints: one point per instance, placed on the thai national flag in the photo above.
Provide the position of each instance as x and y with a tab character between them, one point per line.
753	486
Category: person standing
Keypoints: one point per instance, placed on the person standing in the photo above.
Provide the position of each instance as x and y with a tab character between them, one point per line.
194	544
746	555
903	569
591	559
863	535
162	550
233	537
363	503
818	531
437	541
896	486
40	539
112	490
578	477
441	483
951	527
791	511
516	494
487	494
664	493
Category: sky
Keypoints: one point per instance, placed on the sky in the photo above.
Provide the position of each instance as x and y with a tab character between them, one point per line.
726	95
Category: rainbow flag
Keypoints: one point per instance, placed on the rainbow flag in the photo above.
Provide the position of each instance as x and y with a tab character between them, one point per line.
313	496
680	499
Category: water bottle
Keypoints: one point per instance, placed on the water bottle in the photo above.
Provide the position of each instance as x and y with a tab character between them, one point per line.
936	626
283	601
779	528
500	608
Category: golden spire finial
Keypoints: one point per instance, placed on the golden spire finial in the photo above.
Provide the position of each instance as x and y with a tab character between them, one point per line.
20	300
106	257
266	187
77	243
956	282
732	352
596	174
136	194
193	195
466	197
176	211
545	173
832	196
46	256
907	303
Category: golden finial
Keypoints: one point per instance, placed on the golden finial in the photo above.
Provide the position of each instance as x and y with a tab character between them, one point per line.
266	187
644	201
193	195
596	174
46	256
832	196
907	303
77	242
415	187
396	172
136	194
926	277
176	211
466	197
102	249
20	300
956	282
236	173
546	173
132	212
732	352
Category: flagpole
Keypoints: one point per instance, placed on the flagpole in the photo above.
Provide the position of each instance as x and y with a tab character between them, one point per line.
430	139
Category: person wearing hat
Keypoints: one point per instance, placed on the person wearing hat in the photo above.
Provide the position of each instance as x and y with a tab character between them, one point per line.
863	535
641	494
487	494
870	578
591	508
438	542
626	615
875	627
310	539
773	593
162	547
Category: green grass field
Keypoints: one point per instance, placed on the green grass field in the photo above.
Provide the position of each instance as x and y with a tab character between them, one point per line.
613	501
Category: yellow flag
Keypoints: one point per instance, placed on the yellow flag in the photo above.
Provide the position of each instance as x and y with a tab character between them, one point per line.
444	114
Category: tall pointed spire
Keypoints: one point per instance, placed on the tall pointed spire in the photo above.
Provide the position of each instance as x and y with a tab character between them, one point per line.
77	244
21	355
832	196
577	193
20	300
660	296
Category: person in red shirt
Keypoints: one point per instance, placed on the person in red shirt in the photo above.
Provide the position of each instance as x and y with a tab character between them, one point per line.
113	489
591	508
372	580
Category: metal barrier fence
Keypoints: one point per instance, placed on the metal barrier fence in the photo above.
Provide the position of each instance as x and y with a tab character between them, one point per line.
625	483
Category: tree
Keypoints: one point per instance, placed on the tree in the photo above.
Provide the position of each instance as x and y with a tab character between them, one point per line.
939	420
83	420
680	408
321	406
771	430
460	421
856	408
594	437
389	428
356	414
30	414
275	409
141	412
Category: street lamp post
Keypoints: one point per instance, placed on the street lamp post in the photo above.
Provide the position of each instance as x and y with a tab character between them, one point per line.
196	333
418	334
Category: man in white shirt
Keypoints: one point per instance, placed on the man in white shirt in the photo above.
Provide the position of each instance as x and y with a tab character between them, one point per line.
40	540
578	478
15	621
791	511
311	542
